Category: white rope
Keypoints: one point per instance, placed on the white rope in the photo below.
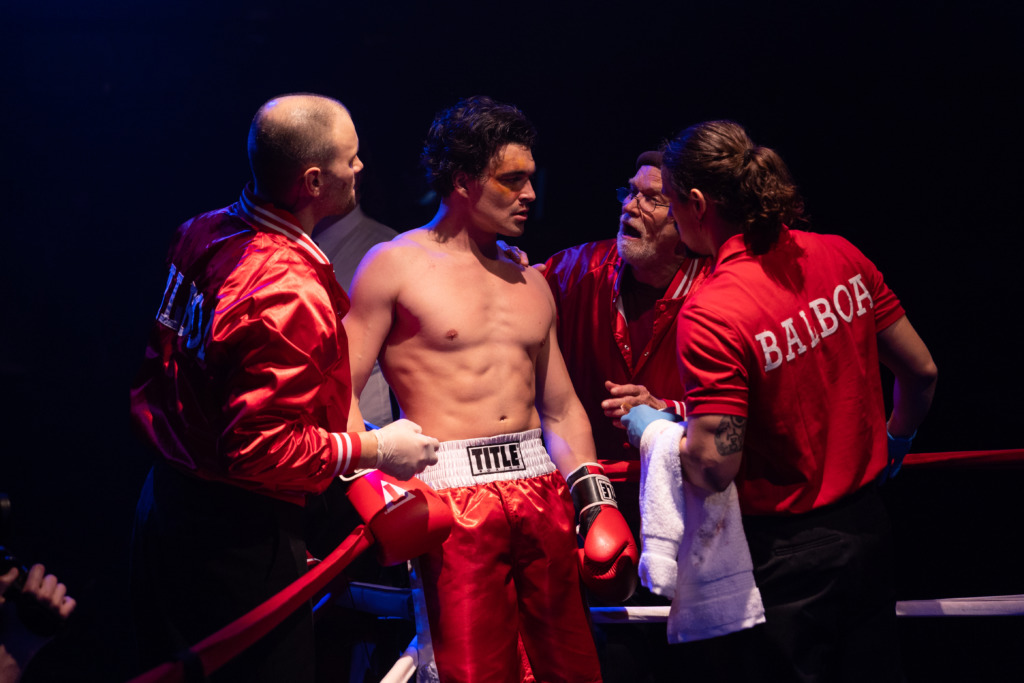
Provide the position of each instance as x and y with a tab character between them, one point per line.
633	615
394	602
988	606
405	667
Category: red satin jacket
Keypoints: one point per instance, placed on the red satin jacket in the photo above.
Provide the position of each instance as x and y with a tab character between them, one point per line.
246	376
594	338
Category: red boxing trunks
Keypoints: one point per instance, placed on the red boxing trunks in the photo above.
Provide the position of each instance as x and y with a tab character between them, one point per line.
508	570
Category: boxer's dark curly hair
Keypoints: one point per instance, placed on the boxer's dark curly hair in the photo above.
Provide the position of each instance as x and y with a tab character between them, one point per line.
750	184
464	138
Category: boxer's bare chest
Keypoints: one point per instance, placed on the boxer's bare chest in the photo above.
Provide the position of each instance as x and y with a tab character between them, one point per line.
459	302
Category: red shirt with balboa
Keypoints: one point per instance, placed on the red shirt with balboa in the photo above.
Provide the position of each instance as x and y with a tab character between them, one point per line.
788	339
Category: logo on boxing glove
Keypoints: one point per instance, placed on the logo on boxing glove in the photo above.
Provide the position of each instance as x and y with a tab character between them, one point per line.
394	496
406	520
609	555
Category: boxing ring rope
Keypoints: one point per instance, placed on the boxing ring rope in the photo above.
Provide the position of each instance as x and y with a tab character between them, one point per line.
996	605
218	649
999	605
1010	458
988	606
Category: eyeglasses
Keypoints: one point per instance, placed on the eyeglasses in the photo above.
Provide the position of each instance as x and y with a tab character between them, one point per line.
645	202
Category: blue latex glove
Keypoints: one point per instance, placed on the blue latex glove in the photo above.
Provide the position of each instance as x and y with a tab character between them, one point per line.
898	449
639	418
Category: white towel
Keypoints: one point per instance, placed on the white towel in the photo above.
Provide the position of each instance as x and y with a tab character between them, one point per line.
694	548
661	508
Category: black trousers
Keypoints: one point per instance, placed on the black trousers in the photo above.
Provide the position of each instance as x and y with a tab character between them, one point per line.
826	582
202	555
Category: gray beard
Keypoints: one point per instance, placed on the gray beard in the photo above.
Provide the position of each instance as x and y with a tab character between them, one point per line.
640	254
647	261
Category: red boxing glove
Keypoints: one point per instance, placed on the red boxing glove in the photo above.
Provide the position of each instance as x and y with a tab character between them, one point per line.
609	556
406	518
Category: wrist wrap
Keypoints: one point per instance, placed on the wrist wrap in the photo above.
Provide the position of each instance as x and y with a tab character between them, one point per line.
590	488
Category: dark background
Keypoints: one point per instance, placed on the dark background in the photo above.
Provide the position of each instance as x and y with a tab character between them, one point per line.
119	120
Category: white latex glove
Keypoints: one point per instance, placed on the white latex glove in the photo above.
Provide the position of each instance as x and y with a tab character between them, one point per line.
403	450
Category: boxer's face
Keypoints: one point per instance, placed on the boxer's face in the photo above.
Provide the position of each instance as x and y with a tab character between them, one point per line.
647	234
500	200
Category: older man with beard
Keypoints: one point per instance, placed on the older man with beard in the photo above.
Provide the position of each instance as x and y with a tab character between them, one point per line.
617	305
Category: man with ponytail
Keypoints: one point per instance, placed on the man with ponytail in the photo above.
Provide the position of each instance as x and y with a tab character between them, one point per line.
779	353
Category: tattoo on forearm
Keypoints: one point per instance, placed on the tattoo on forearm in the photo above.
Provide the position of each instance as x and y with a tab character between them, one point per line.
729	435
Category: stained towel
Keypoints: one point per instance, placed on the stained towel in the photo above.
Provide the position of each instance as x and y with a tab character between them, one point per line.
694	548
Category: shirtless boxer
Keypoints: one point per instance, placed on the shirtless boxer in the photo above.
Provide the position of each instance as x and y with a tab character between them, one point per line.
466	339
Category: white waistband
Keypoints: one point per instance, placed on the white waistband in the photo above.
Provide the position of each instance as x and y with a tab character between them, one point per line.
504	457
